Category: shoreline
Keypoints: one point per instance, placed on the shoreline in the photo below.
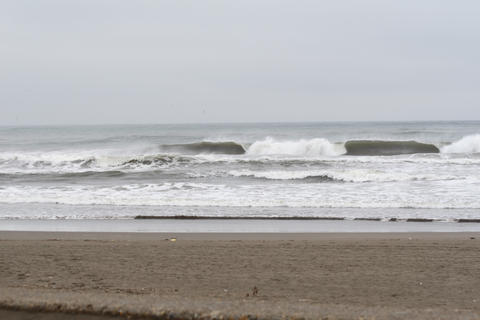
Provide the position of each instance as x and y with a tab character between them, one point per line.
233	225
426	275
233	236
293	218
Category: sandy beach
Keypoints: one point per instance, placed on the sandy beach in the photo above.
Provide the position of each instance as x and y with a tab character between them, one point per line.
265	276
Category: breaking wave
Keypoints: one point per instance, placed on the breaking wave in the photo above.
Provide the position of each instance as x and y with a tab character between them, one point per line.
303	147
323	147
387	148
228	147
468	144
261	152
82	163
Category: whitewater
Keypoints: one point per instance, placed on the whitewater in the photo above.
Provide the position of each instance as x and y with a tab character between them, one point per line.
349	170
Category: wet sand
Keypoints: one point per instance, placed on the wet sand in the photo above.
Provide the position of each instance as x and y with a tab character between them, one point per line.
310	275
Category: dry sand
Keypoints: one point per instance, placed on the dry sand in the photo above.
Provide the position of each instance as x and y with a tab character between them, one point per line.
335	276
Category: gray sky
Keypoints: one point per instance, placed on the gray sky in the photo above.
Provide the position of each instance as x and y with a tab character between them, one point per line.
98	61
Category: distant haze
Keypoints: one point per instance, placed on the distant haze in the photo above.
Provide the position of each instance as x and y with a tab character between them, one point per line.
89	62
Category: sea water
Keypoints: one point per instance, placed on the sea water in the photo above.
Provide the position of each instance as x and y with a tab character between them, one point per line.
403	170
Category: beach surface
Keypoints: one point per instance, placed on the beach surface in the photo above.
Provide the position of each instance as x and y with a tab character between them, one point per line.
261	275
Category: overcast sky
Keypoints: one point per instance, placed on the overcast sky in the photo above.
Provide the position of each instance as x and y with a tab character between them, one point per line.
98	61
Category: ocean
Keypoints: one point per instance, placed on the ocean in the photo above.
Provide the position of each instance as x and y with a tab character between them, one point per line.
350	170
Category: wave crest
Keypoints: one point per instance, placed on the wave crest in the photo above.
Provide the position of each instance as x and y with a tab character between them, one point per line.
228	147
65	163
468	144
312	148
387	148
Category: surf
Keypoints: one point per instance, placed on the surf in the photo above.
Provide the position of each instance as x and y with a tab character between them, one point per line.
228	147
467	144
303	147
387	148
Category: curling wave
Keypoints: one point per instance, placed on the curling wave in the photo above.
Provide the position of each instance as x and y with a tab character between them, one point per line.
387	148
261	152
228	147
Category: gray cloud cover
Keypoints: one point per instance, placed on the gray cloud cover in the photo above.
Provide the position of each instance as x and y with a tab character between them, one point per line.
72	62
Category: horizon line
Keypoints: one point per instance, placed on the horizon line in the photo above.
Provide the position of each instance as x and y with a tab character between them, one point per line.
230	123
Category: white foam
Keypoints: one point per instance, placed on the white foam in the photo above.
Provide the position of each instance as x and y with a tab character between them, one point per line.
279	175
312	148
72	162
318	195
468	144
351	175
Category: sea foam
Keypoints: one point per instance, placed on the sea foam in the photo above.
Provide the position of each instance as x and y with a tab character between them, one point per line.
351	175
468	144
310	148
